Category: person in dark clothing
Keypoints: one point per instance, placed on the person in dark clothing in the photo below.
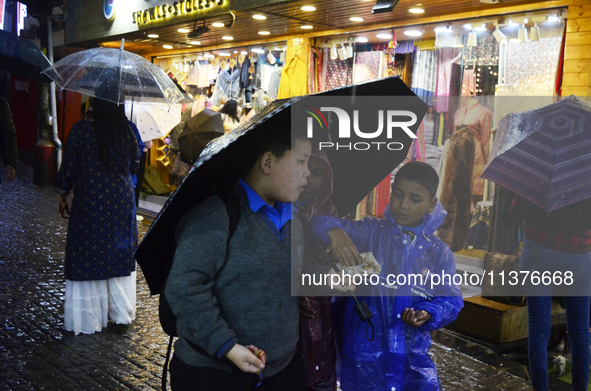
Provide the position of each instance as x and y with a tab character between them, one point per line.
233	299
316	344
99	157
557	244
8	148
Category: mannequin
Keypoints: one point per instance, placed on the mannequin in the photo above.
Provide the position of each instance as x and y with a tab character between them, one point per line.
456	193
479	120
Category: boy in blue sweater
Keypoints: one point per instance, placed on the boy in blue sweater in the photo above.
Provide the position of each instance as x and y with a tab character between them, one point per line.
404	310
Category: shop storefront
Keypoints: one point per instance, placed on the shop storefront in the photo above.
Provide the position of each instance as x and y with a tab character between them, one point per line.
471	62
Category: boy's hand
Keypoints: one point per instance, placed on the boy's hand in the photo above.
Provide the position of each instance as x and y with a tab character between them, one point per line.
342	248
245	358
415	318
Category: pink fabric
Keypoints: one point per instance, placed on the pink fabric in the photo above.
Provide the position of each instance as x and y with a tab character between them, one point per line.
198	106
367	66
444	78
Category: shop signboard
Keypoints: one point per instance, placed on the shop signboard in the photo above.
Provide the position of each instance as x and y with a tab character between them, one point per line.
90	20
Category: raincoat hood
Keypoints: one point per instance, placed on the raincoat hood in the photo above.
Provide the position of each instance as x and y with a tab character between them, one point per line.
432	220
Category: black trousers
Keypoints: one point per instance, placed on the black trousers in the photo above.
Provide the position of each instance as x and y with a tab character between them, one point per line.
184	377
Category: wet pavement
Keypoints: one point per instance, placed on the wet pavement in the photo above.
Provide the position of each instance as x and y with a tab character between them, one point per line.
36	353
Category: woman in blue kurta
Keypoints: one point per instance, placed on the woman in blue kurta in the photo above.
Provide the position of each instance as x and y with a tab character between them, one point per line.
99	157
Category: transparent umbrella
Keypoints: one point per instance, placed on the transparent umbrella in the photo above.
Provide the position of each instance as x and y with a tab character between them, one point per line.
114	75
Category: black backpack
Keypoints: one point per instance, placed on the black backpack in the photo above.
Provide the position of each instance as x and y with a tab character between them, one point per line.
165	314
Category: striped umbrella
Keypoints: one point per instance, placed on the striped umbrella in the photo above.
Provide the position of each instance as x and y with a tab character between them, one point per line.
544	155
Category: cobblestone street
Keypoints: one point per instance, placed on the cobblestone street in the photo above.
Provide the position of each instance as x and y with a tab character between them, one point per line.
36	353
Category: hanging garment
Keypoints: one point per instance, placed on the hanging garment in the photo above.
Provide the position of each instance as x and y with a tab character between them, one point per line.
424	75
479	226
406	47
193	76
367	66
429	127
319	69
468	83
504	231
456	195
293	79
481	81
245	80
274	83
198	105
433	156
541	58
479	120
266	72
203	75
312	71
486	52
444	77
227	85
338	73
325	57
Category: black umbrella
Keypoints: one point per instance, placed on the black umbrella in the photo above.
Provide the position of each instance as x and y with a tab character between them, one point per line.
357	170
21	57
198	131
223	159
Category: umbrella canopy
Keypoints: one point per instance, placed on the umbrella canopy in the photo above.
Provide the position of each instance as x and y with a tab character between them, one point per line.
223	159
153	120
21	57
358	170
198	131
544	155
114	75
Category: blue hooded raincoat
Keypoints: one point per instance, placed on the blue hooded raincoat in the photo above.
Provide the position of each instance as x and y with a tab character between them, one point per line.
397	358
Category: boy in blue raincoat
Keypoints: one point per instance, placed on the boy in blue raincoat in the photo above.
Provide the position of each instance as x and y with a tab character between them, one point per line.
404	312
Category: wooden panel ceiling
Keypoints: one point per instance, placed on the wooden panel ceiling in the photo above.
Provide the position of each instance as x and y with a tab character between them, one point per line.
287	18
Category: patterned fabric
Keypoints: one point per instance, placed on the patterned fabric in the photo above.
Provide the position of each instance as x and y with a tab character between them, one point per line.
319	69
274	83
533	62
311	71
338	73
367	66
102	230
424	75
487	51
538	230
468	83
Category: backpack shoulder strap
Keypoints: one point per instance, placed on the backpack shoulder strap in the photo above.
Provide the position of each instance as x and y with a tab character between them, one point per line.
232	205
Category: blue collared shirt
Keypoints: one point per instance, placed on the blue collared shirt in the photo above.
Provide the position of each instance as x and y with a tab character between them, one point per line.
277	216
